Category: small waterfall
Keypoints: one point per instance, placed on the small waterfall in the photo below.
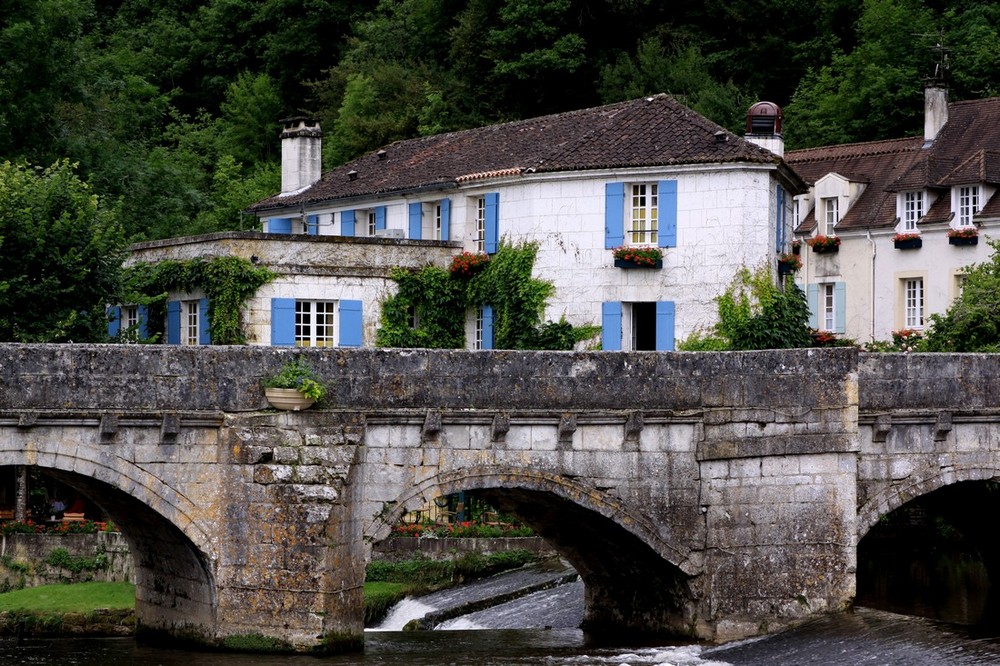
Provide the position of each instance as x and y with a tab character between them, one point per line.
404	611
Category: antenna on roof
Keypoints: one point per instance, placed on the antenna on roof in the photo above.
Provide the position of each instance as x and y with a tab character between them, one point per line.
941	61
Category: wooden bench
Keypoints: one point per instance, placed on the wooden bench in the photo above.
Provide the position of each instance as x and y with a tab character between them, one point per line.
73	517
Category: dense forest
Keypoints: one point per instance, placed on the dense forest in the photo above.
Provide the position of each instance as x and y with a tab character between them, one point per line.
170	108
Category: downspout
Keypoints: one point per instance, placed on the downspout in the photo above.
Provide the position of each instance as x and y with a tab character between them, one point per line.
874	253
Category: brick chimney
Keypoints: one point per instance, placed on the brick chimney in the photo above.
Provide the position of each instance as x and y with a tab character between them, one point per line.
935	110
301	153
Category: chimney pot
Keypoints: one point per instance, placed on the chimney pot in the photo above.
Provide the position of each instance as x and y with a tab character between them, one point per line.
301	153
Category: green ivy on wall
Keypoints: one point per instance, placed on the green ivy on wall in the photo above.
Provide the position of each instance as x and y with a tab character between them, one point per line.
430	307
228	282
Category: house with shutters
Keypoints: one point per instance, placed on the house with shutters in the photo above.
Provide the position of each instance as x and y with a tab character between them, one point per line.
909	216
647	172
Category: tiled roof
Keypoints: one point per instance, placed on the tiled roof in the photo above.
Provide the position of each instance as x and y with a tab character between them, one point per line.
967	150
653	131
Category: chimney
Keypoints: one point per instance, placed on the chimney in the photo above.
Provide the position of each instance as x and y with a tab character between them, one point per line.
301	153
764	127
935	110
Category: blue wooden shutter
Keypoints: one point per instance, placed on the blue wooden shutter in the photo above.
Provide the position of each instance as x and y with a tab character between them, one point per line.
840	307
173	322
667	213
351	324
143	322
812	297
114	321
283	322
445	219
416	219
779	220
614	215
665	326
347	223
312	225
611	326
492	222
204	336
488	327
379	218
279	225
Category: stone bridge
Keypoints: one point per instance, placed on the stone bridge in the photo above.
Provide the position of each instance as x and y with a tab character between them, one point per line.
716	495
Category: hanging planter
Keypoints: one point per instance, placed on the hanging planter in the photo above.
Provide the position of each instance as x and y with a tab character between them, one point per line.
825	244
631	256
963	236
788	263
907	241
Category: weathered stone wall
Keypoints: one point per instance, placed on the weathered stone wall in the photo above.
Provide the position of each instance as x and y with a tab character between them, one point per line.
445	548
23	559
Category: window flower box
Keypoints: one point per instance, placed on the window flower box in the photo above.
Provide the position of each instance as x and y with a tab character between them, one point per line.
825	244
788	263
637	256
467	264
963	236
907	241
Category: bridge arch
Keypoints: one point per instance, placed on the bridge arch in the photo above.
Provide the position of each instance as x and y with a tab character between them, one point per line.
922	482
172	554
635	580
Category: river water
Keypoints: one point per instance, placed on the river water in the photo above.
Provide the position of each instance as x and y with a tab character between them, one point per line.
538	629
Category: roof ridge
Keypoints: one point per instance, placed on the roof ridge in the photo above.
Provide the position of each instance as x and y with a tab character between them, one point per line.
849	148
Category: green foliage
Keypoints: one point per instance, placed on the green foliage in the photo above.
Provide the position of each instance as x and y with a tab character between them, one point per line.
972	323
60	557
75	598
61	250
431	299
298	374
756	314
702	341
431	574
228	282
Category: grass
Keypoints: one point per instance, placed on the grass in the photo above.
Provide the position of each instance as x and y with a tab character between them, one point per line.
75	598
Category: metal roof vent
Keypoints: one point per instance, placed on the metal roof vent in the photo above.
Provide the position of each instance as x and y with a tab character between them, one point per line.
352	175
764	118
721	137
382	155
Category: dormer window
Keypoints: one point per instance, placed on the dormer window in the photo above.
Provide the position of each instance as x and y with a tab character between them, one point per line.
831	215
912	204
968	204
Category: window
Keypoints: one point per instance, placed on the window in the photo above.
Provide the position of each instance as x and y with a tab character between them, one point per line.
968	204
913	209
795	212
644	327
315	323
831	215
372	223
437	222
130	316
480	225
641	326
189	323
913	307
829	305
483	336
643	214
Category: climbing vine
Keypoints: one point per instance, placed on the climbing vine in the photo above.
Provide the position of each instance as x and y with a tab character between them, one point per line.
228	282
429	309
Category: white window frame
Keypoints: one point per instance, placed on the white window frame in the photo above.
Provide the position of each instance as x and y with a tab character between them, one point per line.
831	216
372	223
436	231
642	214
130	317
828	307
968	202
913	303
479	326
190	322
310	331
480	239
911	208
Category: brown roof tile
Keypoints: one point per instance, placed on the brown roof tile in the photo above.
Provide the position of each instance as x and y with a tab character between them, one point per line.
653	131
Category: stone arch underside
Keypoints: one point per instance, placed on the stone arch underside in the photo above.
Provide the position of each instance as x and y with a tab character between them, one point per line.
175	583
635	581
922	482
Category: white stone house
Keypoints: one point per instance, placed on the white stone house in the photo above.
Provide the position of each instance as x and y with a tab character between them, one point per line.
925	189
647	172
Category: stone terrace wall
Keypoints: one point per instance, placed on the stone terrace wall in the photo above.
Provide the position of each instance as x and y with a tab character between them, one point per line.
23	559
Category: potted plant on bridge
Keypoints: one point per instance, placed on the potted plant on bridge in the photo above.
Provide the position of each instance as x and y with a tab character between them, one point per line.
295	387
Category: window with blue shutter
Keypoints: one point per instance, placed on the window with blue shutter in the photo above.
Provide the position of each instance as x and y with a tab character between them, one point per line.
445	219
114	321
283	322
351	324
665	326
812	298
347	223
173	322
611	326
492	222
204	336
312	225
779	221
143	322
416	220
379	218
840	307
279	225
614	215
486	335
667	213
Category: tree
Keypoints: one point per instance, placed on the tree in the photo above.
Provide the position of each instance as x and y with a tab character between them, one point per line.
62	256
972	323
754	313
